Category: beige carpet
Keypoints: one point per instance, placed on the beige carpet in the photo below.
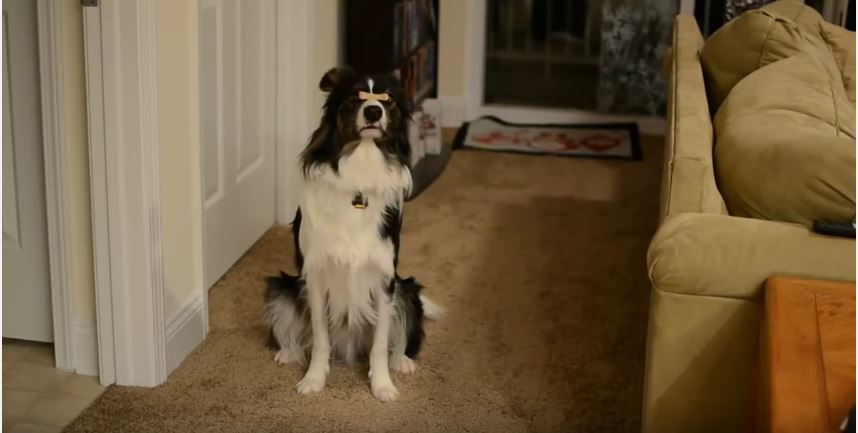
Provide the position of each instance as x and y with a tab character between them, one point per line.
541	263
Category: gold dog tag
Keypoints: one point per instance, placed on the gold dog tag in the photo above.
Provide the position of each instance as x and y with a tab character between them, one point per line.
366	96
360	202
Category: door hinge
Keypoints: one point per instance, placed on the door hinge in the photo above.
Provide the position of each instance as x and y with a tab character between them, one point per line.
89	3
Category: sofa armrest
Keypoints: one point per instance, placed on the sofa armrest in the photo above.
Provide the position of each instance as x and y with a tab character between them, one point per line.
689	176
721	255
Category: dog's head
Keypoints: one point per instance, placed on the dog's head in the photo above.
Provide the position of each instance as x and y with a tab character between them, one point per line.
358	108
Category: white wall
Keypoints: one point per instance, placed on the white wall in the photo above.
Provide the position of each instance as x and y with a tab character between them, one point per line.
179	143
454	67
327	44
452	61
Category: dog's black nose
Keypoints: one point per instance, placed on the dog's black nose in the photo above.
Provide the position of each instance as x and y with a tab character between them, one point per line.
372	113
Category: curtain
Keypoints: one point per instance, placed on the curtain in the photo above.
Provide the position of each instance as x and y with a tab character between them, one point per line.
734	8
635	37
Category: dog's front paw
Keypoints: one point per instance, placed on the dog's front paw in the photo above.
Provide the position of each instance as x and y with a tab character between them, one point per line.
403	364
310	383
283	356
385	391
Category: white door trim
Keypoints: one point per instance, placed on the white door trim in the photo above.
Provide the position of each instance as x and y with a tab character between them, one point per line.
56	195
474	105
98	194
126	206
475	51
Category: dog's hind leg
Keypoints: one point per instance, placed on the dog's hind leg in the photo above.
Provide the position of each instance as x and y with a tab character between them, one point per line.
406	332
285	314
399	362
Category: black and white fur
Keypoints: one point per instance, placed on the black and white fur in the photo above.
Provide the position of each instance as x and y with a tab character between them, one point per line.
348	300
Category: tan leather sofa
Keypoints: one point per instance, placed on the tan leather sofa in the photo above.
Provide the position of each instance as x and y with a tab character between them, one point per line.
708	267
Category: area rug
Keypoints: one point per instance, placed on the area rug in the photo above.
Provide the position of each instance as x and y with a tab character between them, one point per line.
541	265
601	140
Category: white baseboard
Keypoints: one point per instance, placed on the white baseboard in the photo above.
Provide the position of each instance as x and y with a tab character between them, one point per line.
85	348
185	331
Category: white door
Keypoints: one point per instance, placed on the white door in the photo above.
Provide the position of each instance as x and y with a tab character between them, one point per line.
237	104
26	278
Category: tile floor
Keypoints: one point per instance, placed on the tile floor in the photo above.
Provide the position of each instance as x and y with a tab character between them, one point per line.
38	397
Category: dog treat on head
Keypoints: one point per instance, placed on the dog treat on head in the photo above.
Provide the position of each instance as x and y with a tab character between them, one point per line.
366	96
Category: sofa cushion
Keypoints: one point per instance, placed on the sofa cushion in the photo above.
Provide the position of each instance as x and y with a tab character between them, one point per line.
842	45
757	38
786	145
826	38
688	184
840	41
806	17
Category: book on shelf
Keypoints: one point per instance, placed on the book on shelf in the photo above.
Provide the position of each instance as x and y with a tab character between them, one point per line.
397	32
417	74
414	23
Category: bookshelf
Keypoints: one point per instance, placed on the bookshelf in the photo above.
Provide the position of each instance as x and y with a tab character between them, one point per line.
400	37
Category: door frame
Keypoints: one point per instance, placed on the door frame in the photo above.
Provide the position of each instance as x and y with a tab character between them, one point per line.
122	117
54	146
474	106
125	182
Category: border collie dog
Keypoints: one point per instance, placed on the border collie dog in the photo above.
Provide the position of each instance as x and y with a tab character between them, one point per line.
348	300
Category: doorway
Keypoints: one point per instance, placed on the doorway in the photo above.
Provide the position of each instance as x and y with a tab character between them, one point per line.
543	53
587	58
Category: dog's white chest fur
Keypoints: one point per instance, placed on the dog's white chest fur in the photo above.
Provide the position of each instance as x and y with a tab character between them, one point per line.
343	246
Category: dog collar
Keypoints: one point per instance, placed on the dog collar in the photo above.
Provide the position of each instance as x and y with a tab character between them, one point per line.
360	202
366	96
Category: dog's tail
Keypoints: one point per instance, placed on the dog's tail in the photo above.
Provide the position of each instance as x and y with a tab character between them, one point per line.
413	289
283	287
430	309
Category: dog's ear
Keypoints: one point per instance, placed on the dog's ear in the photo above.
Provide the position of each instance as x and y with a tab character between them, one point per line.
333	77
